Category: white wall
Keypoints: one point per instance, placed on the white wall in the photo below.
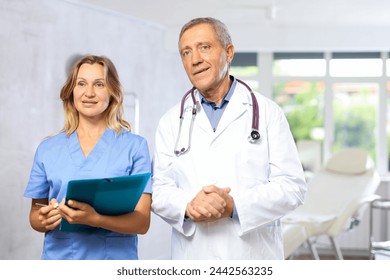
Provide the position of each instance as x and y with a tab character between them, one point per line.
36	39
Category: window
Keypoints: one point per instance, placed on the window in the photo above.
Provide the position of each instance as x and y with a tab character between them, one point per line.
301	96
333	98
354	110
302	102
337	100
355	65
355	100
244	66
299	65
298	87
388	125
388	67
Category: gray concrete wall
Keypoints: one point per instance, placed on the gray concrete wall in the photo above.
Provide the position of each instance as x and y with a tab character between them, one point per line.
37	38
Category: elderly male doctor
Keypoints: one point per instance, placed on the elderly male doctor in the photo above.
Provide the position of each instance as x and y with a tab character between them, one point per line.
222	194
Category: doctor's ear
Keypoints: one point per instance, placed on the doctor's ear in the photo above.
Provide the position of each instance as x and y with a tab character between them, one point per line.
229	53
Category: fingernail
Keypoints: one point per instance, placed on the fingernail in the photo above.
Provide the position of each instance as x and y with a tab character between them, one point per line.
70	202
56	205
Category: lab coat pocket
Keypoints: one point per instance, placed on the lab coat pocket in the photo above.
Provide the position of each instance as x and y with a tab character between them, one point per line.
254	164
269	238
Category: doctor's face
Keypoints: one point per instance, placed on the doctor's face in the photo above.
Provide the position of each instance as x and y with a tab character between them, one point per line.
90	95
204	59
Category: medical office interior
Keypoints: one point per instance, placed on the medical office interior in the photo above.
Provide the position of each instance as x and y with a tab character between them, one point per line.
326	63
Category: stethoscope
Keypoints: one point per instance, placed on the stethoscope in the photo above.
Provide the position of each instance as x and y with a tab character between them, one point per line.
252	138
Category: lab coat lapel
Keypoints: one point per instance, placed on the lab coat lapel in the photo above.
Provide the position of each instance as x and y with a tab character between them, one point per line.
201	120
235	108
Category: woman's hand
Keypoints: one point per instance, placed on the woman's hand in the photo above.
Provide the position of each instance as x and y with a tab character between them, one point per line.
48	216
76	212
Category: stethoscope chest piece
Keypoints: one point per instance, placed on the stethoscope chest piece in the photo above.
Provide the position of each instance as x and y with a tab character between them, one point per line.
254	136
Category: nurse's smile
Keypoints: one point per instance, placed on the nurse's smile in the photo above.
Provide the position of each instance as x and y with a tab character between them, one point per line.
89	103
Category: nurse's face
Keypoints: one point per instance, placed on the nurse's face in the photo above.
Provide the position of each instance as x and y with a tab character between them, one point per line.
204	59
90	94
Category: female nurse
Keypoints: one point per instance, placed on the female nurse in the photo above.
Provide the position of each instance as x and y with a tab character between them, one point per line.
94	143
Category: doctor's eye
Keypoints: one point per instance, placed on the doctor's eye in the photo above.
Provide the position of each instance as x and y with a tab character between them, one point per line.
205	48
185	53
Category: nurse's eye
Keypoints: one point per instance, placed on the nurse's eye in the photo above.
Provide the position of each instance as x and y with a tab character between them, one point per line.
99	85
81	84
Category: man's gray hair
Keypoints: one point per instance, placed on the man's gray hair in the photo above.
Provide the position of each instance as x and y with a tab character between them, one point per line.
220	28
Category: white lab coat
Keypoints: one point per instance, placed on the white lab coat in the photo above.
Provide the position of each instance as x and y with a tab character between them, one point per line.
266	179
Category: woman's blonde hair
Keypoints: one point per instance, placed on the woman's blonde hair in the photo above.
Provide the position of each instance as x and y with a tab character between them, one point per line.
114	111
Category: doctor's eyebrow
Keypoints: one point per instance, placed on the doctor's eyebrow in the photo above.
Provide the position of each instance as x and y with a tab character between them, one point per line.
195	45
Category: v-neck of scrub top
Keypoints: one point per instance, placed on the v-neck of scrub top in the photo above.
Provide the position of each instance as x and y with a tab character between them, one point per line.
88	162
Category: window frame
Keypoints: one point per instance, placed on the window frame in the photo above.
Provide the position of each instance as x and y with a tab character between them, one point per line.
266	81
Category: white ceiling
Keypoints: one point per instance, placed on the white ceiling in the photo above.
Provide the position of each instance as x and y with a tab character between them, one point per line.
246	16
171	13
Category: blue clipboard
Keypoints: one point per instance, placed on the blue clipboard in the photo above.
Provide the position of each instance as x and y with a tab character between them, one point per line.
109	196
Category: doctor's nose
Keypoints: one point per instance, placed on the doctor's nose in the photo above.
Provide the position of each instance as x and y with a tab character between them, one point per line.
196	58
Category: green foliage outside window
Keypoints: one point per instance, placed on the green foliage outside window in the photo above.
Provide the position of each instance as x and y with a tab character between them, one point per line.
354	123
303	110
355	127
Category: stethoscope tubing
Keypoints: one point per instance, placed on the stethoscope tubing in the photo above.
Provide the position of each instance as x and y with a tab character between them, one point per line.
253	137
255	118
194	111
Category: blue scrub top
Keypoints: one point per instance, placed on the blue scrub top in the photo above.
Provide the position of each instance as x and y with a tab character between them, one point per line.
60	159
